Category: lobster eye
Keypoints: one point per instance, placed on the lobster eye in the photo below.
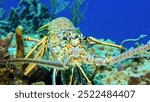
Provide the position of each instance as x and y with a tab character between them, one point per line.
76	36
65	38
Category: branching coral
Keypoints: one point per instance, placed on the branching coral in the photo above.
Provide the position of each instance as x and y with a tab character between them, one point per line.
28	14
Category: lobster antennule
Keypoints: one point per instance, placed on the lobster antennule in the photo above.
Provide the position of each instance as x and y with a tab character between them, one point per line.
44	27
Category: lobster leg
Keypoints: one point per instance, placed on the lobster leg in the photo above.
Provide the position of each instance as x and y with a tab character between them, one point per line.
72	71
94	74
89	39
55	71
36	46
40	54
88	80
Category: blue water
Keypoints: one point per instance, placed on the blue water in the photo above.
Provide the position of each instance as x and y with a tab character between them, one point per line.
113	19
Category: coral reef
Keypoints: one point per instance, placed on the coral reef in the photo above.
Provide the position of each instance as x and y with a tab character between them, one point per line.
130	75
4	45
2	11
3	27
2	23
7	72
28	14
112	66
133	70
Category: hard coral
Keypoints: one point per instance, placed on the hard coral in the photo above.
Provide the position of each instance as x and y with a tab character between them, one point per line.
29	14
134	81
4	44
146	78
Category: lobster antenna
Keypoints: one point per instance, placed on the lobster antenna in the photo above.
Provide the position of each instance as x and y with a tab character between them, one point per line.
50	63
128	54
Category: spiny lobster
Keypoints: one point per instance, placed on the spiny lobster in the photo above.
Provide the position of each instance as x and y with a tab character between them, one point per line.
68	49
